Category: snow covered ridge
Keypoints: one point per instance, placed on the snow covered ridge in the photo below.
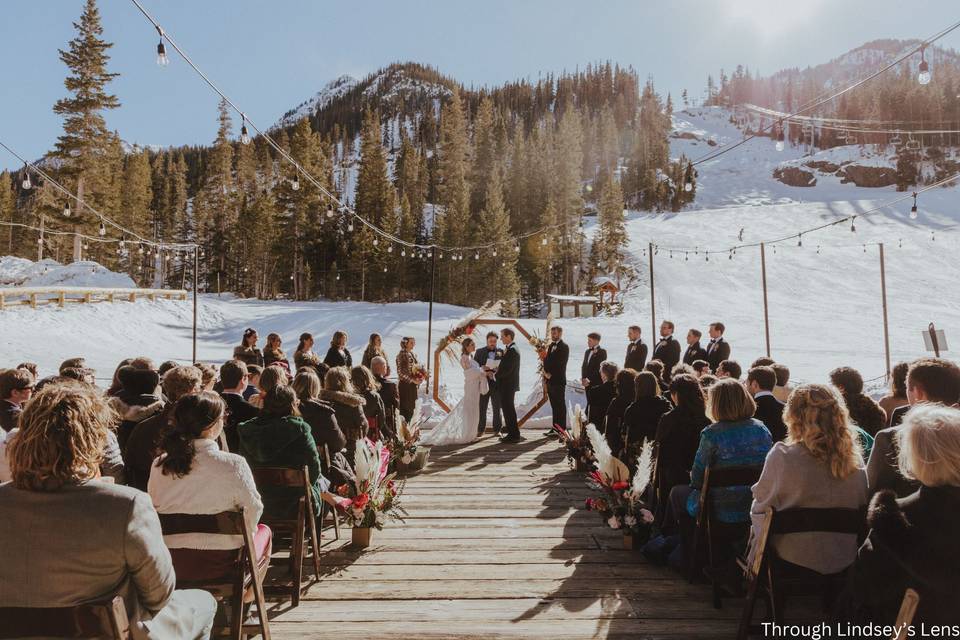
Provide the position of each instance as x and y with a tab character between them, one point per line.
20	272
332	90
871	165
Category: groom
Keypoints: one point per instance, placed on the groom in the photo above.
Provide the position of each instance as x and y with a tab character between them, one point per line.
508	383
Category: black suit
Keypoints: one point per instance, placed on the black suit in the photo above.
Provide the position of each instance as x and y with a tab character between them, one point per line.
482	355
508	383
717	352
693	353
770	413
336	359
390	394
9	415
667	351
555	363
636	356
896	418
590	369
238	410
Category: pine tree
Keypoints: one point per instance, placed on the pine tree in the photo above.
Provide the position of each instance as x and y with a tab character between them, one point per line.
215	208
606	254
498	269
452	227
137	194
567	194
85	140
484	154
375	203
7	208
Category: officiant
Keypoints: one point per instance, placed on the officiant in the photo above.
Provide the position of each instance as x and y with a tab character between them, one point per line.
489	357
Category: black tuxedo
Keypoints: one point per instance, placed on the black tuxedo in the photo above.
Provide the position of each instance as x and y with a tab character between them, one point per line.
508	383
238	410
555	363
590	369
636	356
667	351
693	353
717	352
482	355
770	412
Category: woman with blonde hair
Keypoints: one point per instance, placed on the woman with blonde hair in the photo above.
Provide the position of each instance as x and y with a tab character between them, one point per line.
273	352
338	355
374	349
820	466
338	390
366	385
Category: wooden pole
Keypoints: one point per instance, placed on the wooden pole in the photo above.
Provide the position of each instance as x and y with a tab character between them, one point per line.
886	324
196	281
653	306
766	307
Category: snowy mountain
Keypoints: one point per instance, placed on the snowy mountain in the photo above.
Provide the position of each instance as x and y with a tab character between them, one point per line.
321	99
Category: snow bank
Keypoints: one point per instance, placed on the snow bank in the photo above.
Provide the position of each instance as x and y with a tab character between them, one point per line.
20	272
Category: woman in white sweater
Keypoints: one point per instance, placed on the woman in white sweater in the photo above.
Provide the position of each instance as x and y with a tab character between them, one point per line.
194	476
818	466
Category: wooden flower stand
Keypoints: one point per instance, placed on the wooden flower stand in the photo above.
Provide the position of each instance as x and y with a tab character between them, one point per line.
633	541
417	464
361	537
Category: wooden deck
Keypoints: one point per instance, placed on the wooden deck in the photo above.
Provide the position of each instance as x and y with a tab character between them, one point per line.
497	545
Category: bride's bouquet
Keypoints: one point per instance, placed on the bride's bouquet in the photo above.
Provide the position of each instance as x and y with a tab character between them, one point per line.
372	496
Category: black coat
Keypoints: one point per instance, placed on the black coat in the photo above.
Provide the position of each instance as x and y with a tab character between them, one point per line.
866	413
323	426
336	359
693	353
555	362
614	422
636	356
667	351
717	352
590	369
770	413
238	410
9	415
482	354
143	446
508	373
599	397
677	440
641	419
374	411
390	395
912	543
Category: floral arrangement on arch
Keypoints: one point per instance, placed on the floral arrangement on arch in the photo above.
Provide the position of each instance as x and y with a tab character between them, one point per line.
539	343
466	327
373	496
579	451
621	505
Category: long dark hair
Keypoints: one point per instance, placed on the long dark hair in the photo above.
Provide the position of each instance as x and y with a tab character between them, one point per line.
280	402
689	394
303	338
625	381
192	415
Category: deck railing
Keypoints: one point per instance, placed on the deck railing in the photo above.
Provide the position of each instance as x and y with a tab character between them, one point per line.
34	296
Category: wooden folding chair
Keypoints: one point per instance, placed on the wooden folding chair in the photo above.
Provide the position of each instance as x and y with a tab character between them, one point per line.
299	528
762	572
908	609
244	575
707	527
328	501
105	618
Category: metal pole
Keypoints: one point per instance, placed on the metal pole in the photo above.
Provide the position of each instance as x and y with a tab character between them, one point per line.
40	244
196	281
766	308
433	277
886	324
653	306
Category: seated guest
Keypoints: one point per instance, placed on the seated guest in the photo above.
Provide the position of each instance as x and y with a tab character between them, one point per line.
374	350
208	375
912	540
165	366
600	396
248	352
762	362
16	387
86	538
279	437
389	394
253	381
32	367
729	369
929	380
863	409
643	415
366	385
677	438
624	384
656	368
897	394
782	391
338	391
192	475
319	415
707	380
819	466
270	378
735	439
701	368
143	445
115	386
273	352
233	376
137	400
338	355
760	383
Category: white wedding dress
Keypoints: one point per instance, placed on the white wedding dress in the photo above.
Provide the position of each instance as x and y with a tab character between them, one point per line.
461	424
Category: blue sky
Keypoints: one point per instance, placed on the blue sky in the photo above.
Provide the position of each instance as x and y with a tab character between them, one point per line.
271	55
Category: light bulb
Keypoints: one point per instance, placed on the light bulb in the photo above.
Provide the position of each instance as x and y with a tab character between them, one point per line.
516	248
779	145
544	241
329	210
390	249
350	226
913	212
853	225
924	76
688	186
103	230
476	256
66	210
162	59
27	185
494	253
403	253
244	136
376	241
295	183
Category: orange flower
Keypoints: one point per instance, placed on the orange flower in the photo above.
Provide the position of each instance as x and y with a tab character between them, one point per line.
361	501
617	486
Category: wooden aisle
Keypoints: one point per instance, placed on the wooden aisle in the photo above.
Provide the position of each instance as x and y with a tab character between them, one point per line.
497	545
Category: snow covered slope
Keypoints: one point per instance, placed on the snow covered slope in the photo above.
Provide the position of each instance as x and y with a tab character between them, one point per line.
20	272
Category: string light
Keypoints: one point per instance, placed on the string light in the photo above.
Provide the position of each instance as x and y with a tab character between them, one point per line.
244	136
853	226
799	239
103	230
913	209
329	210
162	59
350	226
295	183
66	209
923	77
544	241
390	249
26	184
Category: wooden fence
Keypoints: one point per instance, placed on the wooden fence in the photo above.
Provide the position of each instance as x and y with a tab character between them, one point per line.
33	296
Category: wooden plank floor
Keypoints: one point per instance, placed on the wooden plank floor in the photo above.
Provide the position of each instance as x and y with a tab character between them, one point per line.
496	545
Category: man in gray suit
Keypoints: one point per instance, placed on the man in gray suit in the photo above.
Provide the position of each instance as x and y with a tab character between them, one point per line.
68	537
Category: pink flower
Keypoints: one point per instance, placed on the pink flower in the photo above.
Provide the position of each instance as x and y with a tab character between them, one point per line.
647	515
361	501
618	486
613	522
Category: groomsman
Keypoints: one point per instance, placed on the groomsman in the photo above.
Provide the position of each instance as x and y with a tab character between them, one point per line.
694	351
636	350
667	350
508	383
555	375
593	357
719	349
484	356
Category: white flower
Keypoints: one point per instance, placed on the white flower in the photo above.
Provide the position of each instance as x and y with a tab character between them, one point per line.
407	458
379	518
646	515
613	522
630	521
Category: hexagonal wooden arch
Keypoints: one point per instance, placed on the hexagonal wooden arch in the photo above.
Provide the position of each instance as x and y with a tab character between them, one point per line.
484	321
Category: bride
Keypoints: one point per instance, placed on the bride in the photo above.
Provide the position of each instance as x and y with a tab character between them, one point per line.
460	425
